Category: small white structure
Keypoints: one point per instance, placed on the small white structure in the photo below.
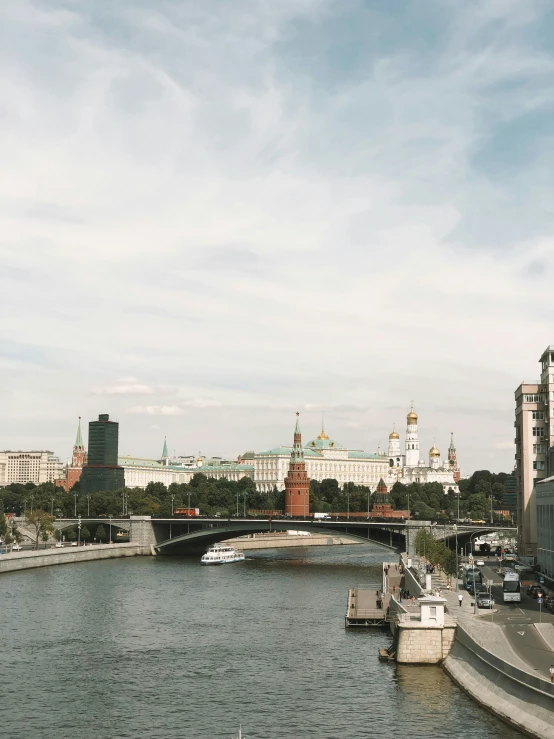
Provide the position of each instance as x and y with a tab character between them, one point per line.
432	610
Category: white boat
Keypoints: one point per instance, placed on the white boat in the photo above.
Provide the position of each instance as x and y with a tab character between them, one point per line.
222	554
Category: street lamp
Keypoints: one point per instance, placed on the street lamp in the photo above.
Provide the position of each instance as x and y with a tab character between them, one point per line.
79	532
51	506
88	506
110	529
172	505
368	494
75	507
457	570
244	502
32	498
348	504
238	492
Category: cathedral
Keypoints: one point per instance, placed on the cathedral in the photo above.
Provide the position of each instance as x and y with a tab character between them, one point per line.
410	467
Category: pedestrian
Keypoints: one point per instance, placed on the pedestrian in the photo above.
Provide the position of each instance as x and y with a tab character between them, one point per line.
551	673
413	600
460	598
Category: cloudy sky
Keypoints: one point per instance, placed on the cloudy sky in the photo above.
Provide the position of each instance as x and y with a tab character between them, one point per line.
216	213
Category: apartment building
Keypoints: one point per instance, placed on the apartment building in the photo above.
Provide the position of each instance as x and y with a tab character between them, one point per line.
29	466
534	427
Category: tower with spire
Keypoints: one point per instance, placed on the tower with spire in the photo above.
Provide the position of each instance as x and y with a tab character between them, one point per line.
297	482
452	459
165	455
412	440
79	457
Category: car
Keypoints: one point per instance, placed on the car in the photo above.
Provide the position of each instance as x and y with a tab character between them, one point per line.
73	543
537	593
531	589
485	600
17	548
59	545
480	563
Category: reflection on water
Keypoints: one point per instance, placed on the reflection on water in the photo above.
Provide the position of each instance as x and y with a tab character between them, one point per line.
164	648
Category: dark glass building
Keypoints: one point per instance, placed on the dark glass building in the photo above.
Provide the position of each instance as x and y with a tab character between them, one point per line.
102	473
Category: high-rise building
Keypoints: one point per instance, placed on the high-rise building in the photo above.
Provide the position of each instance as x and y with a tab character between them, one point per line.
297	482
78	459
534	435
29	466
102	473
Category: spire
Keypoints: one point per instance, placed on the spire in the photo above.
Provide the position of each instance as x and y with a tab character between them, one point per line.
79	439
297	454
165	455
451	448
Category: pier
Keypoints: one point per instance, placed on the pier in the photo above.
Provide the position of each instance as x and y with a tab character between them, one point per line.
371	607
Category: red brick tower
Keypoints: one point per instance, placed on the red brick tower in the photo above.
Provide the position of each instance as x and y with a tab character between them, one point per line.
452	460
297	482
79	459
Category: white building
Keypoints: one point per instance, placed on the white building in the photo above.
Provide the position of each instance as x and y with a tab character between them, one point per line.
409	467
139	472
32	466
325	459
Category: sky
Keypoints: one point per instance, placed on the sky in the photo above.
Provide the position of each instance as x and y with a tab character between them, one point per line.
215	214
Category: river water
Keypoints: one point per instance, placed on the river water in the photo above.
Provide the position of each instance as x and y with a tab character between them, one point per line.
164	648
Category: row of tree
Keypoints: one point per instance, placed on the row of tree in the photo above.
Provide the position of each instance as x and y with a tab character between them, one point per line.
226	497
435	552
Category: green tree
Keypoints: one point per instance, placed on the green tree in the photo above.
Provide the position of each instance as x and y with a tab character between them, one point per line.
85	534
41	522
101	533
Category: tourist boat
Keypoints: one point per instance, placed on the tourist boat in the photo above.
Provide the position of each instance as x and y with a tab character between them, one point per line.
222	554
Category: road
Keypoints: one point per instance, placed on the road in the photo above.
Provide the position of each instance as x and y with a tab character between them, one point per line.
517	621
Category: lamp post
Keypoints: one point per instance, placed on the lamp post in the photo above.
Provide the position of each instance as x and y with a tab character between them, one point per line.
79	532
348	504
32	498
88	506
457	569
110	529
238	493
244	504
24	507
172	505
368	494
75	506
51	506
409	504
492	514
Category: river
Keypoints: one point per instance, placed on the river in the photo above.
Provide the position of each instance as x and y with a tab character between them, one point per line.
164	648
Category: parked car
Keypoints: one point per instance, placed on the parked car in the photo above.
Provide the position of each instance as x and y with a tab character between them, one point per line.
485	600
73	543
59	545
480	563
17	547
532	589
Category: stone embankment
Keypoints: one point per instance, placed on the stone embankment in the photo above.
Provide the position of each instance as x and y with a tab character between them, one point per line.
16	561
484	665
283	541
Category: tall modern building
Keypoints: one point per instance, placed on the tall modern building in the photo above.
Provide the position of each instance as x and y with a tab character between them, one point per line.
297	482
534	434
102	473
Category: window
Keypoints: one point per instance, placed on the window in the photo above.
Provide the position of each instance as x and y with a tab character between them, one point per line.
538	431
539	448
538	415
538	465
533	398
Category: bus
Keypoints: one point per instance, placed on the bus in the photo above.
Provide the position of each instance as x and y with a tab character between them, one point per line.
511	588
473	577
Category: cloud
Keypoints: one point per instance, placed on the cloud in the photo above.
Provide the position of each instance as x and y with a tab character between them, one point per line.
156	410
258	207
132	386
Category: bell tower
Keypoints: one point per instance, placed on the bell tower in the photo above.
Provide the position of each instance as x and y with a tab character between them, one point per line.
452	460
297	482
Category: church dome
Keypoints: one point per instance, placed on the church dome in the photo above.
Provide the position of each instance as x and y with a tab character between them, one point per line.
394	435
434	452
412	417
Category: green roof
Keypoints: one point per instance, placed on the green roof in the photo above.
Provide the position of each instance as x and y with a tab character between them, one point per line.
138	462
365	455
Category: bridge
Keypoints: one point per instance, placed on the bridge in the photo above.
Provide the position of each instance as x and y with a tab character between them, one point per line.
175	535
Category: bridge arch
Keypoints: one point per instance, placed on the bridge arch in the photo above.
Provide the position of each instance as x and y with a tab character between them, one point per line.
198	540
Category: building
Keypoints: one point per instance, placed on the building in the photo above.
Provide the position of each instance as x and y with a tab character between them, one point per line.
78	459
544	506
297	482
382	507
29	466
533	439
409	467
324	458
102	472
140	471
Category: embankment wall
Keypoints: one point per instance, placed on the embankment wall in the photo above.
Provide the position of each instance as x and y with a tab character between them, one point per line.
46	557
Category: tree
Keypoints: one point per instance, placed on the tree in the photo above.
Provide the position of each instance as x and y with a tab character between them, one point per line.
101	533
85	534
41	522
44	536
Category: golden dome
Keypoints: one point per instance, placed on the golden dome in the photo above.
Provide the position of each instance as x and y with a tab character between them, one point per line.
434	452
394	435
412	417
323	435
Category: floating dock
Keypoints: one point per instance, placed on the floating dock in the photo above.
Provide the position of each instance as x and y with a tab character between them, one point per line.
370	607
